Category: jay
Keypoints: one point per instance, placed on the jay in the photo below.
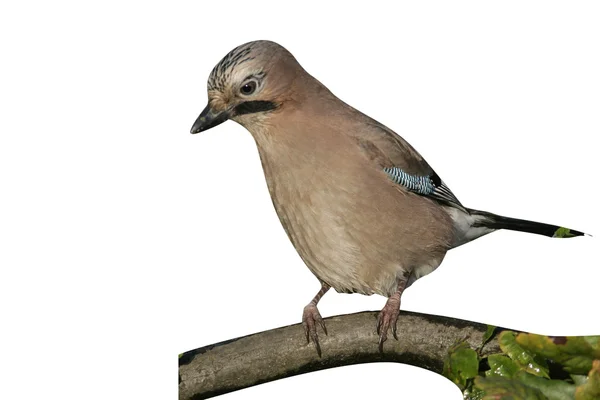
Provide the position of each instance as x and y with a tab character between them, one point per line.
366	213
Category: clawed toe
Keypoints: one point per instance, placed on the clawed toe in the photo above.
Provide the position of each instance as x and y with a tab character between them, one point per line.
387	319
310	318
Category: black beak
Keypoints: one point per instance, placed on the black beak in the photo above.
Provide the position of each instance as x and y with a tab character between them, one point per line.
209	119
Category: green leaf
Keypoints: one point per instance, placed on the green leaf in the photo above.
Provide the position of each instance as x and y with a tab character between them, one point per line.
501	365
574	353
563	233
500	388
530	362
579	379
553	389
461	364
489	333
594	342
591	389
473	393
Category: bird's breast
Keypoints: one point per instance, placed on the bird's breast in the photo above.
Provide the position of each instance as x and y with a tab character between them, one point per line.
323	207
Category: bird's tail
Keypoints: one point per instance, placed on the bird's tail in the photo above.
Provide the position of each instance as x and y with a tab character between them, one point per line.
482	219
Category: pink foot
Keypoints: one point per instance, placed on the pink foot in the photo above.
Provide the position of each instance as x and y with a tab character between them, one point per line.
387	318
310	319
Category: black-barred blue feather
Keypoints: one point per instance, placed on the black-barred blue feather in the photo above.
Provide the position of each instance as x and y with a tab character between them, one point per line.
419	184
430	186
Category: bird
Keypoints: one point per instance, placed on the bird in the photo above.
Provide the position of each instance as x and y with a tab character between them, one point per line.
363	209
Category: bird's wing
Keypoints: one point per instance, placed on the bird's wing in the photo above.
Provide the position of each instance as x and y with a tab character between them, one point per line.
403	164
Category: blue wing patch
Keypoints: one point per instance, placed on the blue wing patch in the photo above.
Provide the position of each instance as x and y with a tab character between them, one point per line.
429	186
419	184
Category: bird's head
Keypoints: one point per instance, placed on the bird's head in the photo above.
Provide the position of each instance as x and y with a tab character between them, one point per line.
250	83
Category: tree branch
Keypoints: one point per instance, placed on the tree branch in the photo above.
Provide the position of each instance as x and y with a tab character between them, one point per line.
423	341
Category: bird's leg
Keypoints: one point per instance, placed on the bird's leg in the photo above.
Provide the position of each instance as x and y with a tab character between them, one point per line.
388	316
311	317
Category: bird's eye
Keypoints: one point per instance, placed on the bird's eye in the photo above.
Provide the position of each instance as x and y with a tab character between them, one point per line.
248	88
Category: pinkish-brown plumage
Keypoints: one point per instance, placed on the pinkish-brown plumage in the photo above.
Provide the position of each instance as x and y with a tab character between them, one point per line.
325	165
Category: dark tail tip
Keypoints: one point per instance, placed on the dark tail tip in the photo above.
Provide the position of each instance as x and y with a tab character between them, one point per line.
494	221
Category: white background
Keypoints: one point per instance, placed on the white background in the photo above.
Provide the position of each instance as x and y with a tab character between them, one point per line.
124	240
